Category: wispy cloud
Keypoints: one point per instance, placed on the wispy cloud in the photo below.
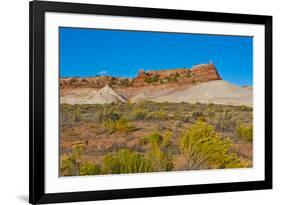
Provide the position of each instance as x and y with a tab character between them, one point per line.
103	72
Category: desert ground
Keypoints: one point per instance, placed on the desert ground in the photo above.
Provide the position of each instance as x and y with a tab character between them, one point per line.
103	130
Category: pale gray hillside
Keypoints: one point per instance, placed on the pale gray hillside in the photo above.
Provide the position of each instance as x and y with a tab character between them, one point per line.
91	96
217	92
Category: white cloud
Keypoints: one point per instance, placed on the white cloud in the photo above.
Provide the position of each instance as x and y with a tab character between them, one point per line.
103	72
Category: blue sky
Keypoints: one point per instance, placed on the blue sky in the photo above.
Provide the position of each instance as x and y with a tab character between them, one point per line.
91	52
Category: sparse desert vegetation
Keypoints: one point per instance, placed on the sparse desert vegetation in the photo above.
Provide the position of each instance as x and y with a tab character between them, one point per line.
125	137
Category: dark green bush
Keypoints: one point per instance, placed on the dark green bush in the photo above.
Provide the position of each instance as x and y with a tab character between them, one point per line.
155	78
148	80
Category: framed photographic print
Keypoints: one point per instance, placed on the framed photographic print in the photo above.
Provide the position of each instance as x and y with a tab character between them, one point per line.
140	102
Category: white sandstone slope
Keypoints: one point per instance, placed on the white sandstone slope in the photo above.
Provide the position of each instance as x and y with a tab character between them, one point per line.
105	95
217	92
102	96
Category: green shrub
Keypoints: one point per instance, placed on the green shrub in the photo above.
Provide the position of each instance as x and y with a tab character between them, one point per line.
77	151
224	121
121	125
197	114
138	114
175	78
202	118
155	138
77	113
125	161
159	160
89	169
155	78
211	111
168	79
110	114
166	139
245	132
156	115
148	80
113	116
186	118
70	163
152	79
202	148
97	116
245	108
66	165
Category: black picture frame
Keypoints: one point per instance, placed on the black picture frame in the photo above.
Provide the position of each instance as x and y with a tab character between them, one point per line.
37	11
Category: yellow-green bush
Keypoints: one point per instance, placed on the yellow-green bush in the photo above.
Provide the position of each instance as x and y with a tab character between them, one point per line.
166	139
160	160
202	148
156	115
245	108
160	140
245	132
138	114
77	113
121	125
156	138
89	169
224	120
202	118
125	161
70	163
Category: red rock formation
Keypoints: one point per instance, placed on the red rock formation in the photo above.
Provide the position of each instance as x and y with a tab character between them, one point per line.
197	74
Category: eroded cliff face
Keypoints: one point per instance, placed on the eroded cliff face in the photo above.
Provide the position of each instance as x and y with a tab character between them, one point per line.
182	76
197	74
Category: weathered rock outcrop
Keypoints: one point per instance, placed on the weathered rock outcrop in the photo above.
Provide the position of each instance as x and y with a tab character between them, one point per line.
196	74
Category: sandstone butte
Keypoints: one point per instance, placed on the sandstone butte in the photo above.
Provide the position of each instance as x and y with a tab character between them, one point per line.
180	76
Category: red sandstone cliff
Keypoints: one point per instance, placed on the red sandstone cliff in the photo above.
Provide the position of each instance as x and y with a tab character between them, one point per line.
197	74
